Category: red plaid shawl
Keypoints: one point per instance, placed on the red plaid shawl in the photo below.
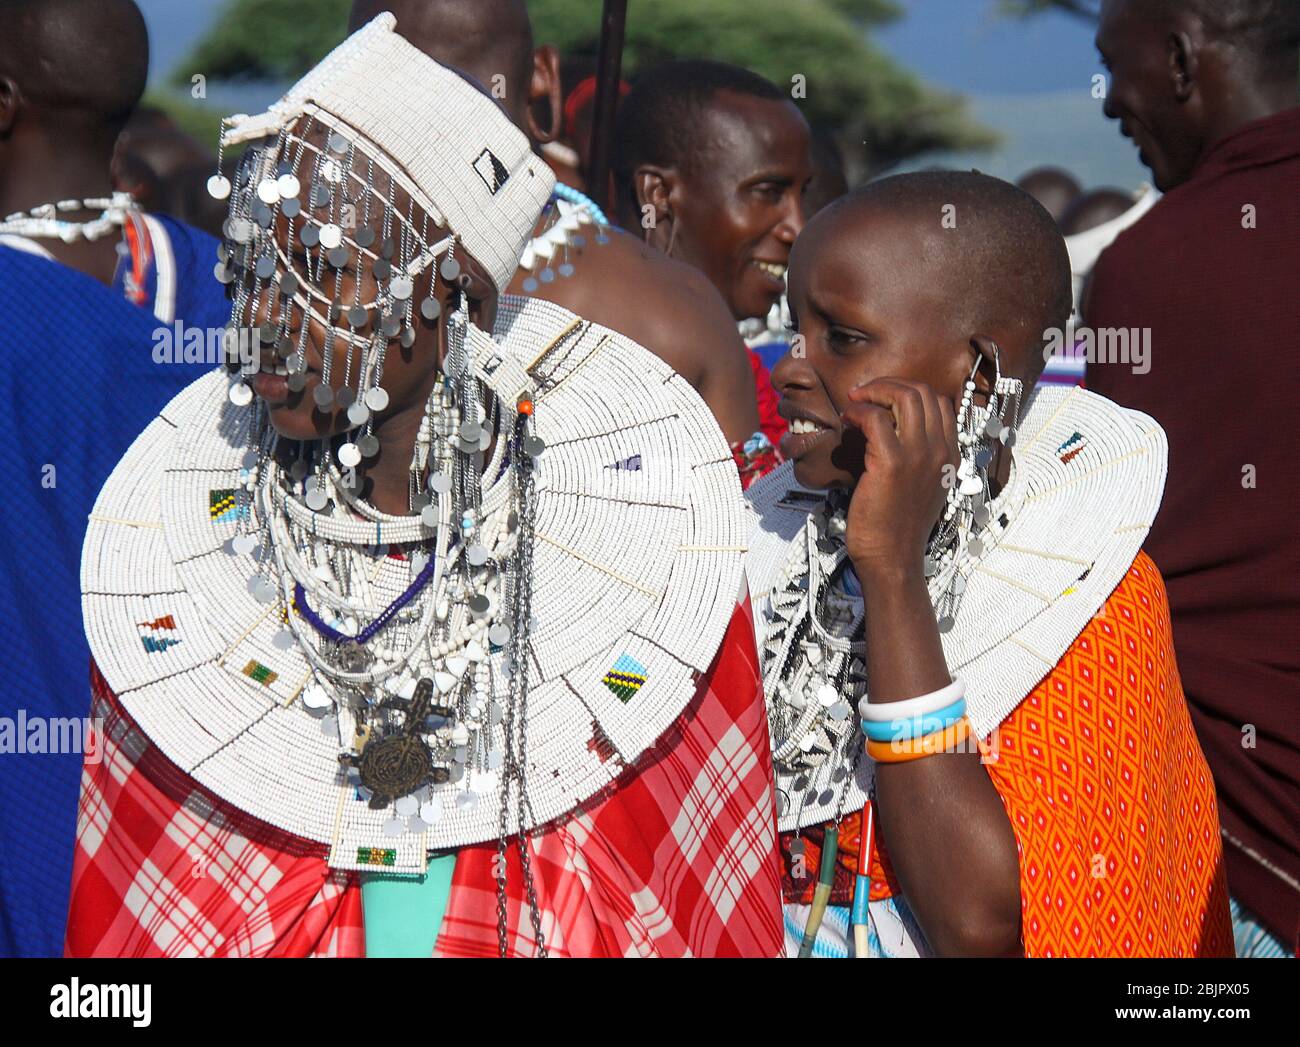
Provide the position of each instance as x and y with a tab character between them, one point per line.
680	860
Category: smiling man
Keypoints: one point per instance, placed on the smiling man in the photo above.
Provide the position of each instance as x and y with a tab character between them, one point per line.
1207	89
712	162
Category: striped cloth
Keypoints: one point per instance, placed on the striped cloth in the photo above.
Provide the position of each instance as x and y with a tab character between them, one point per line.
1253	940
679	860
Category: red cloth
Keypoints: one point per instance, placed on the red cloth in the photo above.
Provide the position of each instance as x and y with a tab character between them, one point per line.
1214	271
680	859
772	424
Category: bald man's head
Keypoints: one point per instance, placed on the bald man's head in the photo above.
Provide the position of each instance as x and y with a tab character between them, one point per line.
485	38
84	60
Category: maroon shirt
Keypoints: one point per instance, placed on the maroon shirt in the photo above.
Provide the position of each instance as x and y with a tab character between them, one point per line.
1223	305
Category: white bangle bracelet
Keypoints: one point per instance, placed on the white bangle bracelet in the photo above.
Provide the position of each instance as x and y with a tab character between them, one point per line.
921	705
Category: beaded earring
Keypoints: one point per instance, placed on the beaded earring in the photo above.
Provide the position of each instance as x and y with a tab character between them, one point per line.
979	430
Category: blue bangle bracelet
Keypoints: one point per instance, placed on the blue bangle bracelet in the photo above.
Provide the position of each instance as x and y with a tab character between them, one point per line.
914	726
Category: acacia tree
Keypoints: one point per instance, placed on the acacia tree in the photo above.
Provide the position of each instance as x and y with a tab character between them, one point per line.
820	49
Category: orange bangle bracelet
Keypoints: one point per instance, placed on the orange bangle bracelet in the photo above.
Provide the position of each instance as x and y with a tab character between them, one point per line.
904	749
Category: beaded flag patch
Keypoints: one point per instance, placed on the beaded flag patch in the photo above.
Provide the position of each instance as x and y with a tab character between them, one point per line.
224	507
626	678
156	636
376	855
255	670
631	465
1071	447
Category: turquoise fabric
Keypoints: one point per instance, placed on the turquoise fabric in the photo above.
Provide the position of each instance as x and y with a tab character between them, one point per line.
403	914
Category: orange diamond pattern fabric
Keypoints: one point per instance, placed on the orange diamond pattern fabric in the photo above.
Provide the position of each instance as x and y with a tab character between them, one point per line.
1109	796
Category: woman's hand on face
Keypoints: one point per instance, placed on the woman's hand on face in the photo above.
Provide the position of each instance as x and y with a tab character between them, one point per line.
910	434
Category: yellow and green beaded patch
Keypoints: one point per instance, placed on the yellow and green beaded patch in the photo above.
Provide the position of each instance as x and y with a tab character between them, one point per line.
376	856
255	670
626	677
223	505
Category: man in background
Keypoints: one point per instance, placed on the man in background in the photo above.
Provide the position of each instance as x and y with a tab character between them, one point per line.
1207	90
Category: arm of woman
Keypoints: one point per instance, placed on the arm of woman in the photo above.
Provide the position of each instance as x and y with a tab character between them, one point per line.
950	841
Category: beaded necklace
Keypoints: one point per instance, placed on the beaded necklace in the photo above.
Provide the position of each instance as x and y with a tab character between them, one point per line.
43	221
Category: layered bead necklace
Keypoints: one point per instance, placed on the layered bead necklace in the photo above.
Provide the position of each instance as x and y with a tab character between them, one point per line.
43	222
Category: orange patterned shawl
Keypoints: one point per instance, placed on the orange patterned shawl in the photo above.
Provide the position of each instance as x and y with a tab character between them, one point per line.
1108	794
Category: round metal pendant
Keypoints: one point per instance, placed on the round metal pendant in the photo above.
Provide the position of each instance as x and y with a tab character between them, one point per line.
290	208
339	144
358	414
392	325
368	445
377	398
288	186
288	285
450	268
339	257
323	395
349	456
364	237
297	382
534	446
439	483
268	191
382	269
241	395
530	285
346	396
430	309
408	337
310	235
316	499
400	288
479	604
547	275
331	235
265	268
218	187
223	274
358	317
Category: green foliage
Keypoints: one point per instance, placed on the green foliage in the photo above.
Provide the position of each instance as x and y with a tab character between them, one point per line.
267	40
852	87
1087	9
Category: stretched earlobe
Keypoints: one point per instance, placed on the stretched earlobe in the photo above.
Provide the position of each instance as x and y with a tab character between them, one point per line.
544	91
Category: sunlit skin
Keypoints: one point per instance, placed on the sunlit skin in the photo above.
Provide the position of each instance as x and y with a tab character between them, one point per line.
883	368
1177	90
409	373
739	202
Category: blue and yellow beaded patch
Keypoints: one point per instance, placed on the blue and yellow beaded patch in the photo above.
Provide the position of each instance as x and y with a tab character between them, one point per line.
156	636
224	507
625	678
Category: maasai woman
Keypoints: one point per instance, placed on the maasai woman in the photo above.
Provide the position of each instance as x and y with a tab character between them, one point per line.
406	636
950	565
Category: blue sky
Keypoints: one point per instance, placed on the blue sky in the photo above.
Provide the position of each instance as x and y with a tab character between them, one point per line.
1028	79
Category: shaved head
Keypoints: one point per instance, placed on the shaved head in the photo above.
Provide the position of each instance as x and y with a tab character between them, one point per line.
484	38
76	57
999	260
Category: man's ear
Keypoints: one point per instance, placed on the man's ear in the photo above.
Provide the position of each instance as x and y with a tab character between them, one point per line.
544	93
11	102
1184	63
656	189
